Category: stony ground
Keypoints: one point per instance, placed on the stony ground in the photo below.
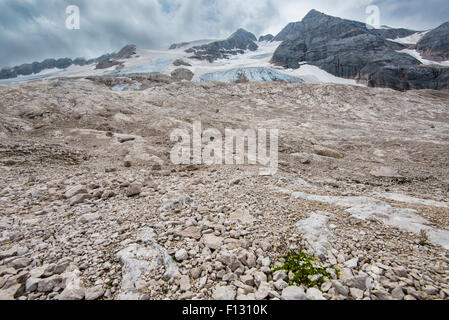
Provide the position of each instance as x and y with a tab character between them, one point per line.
92	208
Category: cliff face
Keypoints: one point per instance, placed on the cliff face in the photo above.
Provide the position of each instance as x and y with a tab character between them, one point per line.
435	44
349	49
237	43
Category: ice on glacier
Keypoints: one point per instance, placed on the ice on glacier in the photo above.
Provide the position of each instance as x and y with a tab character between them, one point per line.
254	74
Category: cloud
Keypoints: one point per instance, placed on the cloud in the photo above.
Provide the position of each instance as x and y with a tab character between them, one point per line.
35	29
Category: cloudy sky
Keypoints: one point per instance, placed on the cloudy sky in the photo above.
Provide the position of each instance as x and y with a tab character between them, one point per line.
33	30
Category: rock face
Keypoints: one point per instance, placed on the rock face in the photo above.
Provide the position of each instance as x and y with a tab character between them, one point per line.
435	44
267	37
342	47
349	49
237	43
180	62
125	53
411	77
391	33
182	74
36	67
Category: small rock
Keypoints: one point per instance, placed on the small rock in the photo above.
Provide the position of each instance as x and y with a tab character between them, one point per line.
184	283
80	189
181	255
314	294
213	242
263	291
279	275
398	293
352	264
356	293
224	293
340	288
293	293
134	189
94	293
80	198
280	285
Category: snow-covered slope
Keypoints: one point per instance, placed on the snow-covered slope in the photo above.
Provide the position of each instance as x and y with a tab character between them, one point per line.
255	65
418	56
413	39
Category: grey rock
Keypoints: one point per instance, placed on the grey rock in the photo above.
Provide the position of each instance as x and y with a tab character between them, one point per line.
94	293
279	275
263	291
184	283
88	218
349	49
435	44
280	285
380	295
237	43
293	293
134	189
356	293
21	263
79	189
340	288
181	255
212	242
267	37
359	282
398	293
179	62
314	294
80	198
224	293
182	74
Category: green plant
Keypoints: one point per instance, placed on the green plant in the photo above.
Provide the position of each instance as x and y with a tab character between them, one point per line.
423	238
306	269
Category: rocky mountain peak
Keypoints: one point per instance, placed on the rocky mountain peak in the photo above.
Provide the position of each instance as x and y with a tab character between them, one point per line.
242	35
237	43
435	44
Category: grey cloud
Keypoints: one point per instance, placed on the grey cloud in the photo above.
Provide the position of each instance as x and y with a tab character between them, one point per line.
35	29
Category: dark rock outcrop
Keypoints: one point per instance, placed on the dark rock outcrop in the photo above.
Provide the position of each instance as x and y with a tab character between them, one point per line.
36	67
349	49
178	45
342	47
411	77
125	53
435	44
182	74
107	63
180	62
391	33
267	37
237	43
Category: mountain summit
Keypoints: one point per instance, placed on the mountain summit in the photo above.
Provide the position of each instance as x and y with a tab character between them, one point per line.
350	49
237	43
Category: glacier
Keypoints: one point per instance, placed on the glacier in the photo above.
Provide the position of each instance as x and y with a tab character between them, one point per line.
253	74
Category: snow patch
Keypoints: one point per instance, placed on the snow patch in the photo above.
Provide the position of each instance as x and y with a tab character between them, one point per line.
412	39
315	232
415	54
407	199
367	208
